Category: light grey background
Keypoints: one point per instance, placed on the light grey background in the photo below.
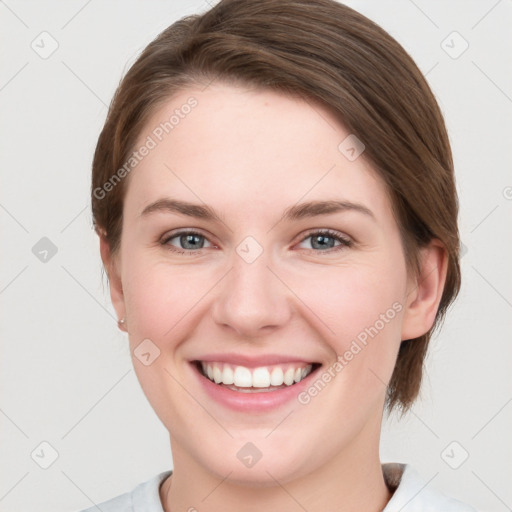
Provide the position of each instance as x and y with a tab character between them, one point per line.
66	374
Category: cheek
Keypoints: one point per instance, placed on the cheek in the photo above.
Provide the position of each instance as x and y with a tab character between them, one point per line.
160	301
158	297
358	310
164	300
350	299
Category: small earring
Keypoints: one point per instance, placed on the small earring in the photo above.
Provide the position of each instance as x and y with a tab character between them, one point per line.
121	323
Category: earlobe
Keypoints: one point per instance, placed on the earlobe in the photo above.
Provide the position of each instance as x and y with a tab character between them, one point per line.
111	265
425	291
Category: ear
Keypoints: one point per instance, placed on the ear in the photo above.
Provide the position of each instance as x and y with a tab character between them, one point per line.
112	265
425	291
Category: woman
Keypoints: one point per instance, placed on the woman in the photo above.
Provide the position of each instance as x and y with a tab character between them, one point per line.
274	194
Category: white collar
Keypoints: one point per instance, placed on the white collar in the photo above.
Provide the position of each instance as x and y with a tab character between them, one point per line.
411	493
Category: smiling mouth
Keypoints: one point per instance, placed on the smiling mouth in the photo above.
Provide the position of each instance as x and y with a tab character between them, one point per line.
255	380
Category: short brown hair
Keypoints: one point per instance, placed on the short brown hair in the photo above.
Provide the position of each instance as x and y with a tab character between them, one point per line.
324	51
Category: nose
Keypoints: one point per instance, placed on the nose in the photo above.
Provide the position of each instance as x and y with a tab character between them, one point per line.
253	300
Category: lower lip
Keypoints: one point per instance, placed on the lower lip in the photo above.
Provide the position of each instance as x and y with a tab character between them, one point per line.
254	401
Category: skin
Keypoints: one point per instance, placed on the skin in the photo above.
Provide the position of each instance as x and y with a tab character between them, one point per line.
249	155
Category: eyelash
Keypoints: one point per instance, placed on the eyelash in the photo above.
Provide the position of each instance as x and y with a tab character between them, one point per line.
345	242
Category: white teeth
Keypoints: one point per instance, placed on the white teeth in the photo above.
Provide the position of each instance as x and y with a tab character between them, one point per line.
277	377
261	377
288	376
227	375
242	377
217	374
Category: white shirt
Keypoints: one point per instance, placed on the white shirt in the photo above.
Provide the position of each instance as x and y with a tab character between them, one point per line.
411	494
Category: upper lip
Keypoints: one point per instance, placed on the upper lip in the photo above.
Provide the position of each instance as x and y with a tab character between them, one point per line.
252	361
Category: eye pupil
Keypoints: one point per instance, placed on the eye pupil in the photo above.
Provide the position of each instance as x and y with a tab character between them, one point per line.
192	239
322	241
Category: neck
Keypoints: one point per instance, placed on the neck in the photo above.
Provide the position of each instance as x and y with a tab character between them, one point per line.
352	479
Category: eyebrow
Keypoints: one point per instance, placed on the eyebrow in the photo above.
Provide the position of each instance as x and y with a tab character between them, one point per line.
313	208
296	212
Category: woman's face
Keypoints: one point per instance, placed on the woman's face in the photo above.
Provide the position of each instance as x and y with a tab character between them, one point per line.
294	264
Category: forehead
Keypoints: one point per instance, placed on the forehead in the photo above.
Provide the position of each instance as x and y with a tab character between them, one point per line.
238	147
